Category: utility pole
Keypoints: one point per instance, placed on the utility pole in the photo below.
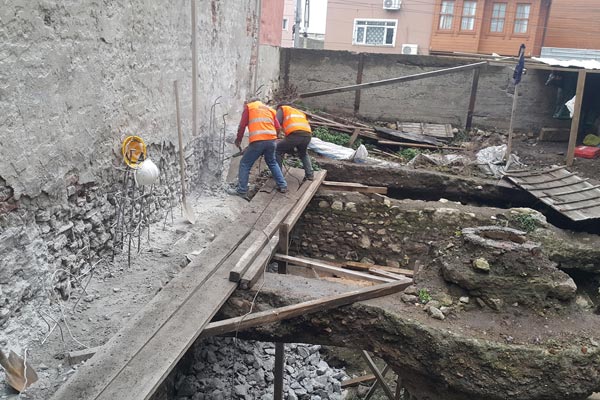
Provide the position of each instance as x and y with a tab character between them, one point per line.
297	23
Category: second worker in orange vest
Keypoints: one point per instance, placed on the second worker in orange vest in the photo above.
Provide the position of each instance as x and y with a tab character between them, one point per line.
297	132
262	135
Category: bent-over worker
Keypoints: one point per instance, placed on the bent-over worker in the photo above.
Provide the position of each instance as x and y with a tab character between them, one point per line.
262	131
297	136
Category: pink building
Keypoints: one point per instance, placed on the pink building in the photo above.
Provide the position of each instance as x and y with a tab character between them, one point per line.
380	26
287	38
270	22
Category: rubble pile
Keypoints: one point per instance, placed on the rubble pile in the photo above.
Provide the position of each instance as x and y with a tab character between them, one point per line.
214	360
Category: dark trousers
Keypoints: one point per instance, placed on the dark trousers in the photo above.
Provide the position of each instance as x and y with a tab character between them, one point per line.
295	143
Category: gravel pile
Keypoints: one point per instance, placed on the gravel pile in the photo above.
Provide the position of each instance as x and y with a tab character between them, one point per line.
220	368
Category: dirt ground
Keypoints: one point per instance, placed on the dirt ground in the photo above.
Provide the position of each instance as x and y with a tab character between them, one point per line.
114	293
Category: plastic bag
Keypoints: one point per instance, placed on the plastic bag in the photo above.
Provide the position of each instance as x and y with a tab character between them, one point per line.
361	154
571	105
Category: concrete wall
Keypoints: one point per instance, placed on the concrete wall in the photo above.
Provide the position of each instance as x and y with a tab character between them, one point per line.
414	24
442	99
76	78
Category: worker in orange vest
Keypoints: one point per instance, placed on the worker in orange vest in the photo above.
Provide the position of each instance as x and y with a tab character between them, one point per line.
297	133
262	130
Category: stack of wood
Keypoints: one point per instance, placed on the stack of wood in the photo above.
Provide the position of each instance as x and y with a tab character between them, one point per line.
414	135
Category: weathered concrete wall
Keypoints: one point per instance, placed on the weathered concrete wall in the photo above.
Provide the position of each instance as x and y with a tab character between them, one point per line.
268	71
75	79
442	99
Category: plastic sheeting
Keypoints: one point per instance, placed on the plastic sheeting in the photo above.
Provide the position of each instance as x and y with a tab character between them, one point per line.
490	160
587	64
338	152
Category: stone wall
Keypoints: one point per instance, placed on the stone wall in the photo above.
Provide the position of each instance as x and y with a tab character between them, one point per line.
82	76
442	99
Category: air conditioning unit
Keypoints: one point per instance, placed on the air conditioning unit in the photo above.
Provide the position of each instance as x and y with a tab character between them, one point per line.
392	4
410	49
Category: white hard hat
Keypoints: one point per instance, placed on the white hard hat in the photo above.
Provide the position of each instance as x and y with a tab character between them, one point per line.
147	173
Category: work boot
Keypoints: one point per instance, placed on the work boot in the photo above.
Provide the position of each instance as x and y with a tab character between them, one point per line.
234	192
309	178
282	189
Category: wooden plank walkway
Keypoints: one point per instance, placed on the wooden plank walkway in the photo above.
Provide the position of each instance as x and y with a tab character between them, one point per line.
567	193
134	362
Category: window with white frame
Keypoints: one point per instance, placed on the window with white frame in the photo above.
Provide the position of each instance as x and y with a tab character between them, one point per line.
498	17
284	26
446	15
522	18
467	22
372	32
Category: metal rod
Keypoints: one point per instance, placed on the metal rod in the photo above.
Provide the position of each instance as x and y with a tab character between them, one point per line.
279	361
385	82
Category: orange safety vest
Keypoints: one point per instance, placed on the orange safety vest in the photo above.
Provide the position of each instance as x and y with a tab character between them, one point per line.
294	120
260	122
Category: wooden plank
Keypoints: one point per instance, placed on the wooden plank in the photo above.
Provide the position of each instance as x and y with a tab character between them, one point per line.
572	191
524	173
581	78
354	136
472	99
353	187
566	210
151	365
366	267
411	137
386	274
524	181
358	381
418	145
401	79
255	271
307	307
258	240
164	323
378	374
301	205
558	186
576	201
320	266
93	377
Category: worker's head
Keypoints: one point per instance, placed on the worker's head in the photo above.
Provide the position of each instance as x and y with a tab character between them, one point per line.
251	99
283	103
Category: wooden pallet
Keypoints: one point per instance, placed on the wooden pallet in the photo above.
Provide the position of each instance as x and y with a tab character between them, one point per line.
564	191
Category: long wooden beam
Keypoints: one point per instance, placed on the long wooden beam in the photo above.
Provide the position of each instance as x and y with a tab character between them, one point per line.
320	266
354	187
391	81
575	122
378	374
307	307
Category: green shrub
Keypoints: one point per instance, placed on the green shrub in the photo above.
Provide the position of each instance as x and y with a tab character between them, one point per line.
424	296
334	137
408	153
526	222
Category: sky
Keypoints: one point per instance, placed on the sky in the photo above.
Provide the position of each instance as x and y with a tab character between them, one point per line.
318	16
